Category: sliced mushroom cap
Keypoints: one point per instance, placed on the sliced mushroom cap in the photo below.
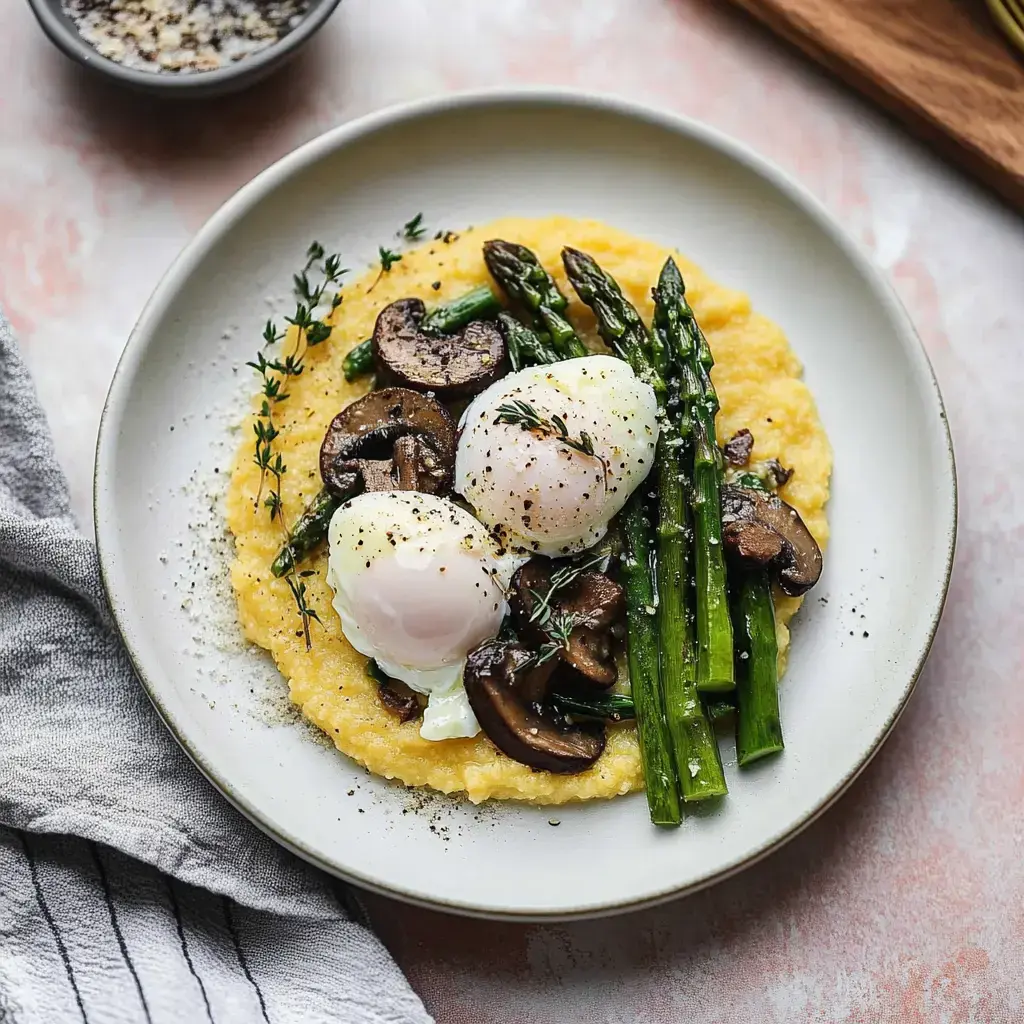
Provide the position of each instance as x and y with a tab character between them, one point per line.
759	528
597	601
389	440
528	731
448	365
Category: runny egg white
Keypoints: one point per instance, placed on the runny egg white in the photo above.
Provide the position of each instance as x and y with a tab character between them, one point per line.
418	583
532	485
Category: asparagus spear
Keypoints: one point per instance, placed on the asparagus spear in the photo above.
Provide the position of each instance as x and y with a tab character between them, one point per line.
696	749
694	744
758	722
644	674
525	347
652	356
478	303
525	281
445	318
309	531
358	361
619	324
691	352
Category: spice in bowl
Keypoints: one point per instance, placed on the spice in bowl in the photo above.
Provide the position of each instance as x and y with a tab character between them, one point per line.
183	36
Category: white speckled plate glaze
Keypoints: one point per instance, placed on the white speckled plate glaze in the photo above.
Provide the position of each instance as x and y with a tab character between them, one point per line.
858	645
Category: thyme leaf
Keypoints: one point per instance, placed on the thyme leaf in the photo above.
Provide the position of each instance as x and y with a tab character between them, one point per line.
413	230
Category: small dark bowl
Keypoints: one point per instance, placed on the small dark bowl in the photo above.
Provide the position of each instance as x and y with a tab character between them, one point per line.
232	78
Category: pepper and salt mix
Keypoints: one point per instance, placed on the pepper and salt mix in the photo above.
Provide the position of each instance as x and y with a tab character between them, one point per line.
182	36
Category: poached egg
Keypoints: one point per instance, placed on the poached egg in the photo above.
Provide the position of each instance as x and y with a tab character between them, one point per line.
536	486
418	583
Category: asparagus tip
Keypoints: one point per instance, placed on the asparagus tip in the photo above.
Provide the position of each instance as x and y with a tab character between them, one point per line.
670	279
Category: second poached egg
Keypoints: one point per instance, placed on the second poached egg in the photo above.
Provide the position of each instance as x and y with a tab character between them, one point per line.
533	486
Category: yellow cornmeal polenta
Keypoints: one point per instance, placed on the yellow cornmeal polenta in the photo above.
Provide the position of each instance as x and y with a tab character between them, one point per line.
757	377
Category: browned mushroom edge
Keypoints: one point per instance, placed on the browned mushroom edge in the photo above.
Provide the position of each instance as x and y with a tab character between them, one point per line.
760	529
393	439
450	366
594	601
738	448
398	698
502	683
772	473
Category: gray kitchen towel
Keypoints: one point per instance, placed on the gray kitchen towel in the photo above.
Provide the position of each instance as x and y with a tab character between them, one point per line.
129	889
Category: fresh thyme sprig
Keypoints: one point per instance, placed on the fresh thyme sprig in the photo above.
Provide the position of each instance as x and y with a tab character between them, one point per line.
274	373
560	579
413	230
529	419
558	629
310	329
298	589
388	258
556	624
332	271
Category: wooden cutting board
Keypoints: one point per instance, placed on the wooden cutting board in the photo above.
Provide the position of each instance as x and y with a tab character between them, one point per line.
941	66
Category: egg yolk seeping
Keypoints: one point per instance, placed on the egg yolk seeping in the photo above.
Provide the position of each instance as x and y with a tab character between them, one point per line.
418	583
549	454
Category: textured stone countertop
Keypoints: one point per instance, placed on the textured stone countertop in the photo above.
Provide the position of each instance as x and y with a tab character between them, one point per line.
906	901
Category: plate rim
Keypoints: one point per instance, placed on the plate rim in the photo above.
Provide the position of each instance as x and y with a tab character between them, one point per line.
244	199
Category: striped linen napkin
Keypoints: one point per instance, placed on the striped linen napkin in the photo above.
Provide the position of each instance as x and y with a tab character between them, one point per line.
131	891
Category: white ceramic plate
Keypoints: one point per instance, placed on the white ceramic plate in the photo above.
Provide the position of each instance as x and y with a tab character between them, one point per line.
466	160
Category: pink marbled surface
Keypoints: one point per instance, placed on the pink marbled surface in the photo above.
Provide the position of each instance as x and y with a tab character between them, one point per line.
906	902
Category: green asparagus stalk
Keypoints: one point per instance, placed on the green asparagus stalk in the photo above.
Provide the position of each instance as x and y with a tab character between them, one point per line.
690	350
758	722
479	303
696	749
624	332
525	347
309	531
445	318
527	284
714	632
358	361
644	674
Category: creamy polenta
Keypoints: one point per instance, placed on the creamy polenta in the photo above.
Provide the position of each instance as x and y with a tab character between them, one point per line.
757	378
